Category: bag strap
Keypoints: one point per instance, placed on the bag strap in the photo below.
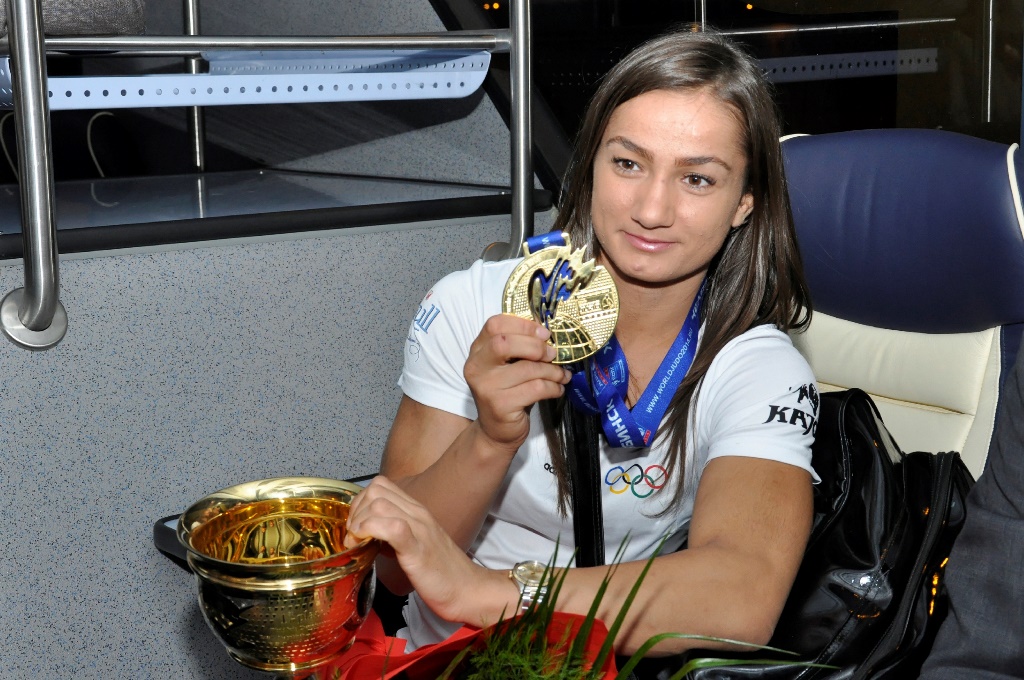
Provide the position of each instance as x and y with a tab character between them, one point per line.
585	482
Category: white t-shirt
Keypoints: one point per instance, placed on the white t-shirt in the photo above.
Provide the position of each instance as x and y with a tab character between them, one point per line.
757	400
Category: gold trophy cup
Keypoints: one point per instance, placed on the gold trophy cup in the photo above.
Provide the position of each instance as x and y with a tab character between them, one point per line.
276	584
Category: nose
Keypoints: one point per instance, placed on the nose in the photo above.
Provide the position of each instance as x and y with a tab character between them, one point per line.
653	204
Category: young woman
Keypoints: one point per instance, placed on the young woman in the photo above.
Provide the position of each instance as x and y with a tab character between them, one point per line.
676	188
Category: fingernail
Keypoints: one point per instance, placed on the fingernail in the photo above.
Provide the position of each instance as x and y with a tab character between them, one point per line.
549	352
568	374
543	333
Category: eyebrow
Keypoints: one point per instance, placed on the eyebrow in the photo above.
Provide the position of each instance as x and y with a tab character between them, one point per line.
680	162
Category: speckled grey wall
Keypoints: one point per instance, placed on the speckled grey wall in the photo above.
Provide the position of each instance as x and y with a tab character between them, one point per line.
181	373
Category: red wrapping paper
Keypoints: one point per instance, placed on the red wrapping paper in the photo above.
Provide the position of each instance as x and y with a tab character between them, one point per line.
375	656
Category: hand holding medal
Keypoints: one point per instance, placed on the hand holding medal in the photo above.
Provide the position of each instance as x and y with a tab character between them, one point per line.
578	302
574	299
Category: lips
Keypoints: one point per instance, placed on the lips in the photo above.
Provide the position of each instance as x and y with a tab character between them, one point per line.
645	244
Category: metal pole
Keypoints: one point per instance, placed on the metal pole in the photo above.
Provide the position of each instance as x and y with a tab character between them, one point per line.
522	134
987	69
33	316
196	120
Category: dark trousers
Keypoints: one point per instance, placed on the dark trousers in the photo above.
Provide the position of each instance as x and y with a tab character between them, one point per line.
982	638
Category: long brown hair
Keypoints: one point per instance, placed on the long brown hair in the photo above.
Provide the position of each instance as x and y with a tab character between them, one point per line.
757	276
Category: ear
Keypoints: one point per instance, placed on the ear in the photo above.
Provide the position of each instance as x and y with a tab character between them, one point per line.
743	210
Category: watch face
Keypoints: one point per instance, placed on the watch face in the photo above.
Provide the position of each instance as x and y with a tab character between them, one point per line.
529	573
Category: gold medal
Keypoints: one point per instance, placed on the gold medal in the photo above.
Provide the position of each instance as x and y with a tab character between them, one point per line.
575	299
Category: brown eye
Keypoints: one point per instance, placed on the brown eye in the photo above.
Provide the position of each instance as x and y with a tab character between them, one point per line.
698	181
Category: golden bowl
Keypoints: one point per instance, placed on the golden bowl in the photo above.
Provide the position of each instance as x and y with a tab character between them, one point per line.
276	584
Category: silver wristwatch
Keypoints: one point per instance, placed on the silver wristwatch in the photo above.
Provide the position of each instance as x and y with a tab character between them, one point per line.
529	577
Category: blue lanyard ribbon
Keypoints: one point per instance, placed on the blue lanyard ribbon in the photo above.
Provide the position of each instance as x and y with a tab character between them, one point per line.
552	238
605	393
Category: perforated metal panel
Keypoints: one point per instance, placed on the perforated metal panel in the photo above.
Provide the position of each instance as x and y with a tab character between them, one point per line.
276	78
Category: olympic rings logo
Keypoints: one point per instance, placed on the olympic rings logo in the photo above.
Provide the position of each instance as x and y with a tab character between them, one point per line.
641	481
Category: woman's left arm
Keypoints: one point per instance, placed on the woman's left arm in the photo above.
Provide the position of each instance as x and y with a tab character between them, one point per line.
751	521
750	525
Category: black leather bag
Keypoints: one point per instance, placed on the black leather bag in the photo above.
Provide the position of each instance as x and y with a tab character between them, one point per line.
869	596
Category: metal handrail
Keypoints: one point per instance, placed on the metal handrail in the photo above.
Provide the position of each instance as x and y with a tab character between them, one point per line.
188	45
33	316
782	29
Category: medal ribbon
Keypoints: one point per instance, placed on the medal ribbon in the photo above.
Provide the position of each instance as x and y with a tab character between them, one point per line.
552	238
605	392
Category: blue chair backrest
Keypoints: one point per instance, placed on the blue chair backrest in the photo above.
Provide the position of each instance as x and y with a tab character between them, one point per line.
919	231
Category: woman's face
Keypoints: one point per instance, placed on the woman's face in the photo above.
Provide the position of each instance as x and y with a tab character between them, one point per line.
669	184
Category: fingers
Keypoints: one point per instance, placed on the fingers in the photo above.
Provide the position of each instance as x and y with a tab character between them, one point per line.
435	566
515	325
391	530
504	396
509	370
385	512
506	338
518	345
508	347
510	376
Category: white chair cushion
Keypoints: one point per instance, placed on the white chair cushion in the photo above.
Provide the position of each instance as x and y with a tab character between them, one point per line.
936	392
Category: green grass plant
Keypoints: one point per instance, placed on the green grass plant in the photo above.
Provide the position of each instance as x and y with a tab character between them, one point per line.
518	648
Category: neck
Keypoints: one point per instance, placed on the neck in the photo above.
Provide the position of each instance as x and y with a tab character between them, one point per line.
651	316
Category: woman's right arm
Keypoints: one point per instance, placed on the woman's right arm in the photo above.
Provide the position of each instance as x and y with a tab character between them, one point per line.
454	466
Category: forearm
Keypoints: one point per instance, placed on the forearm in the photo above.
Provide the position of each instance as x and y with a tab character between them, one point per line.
733	599
702	592
460	486
458	489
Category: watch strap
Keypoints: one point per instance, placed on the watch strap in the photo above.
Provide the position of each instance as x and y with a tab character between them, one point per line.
528	592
